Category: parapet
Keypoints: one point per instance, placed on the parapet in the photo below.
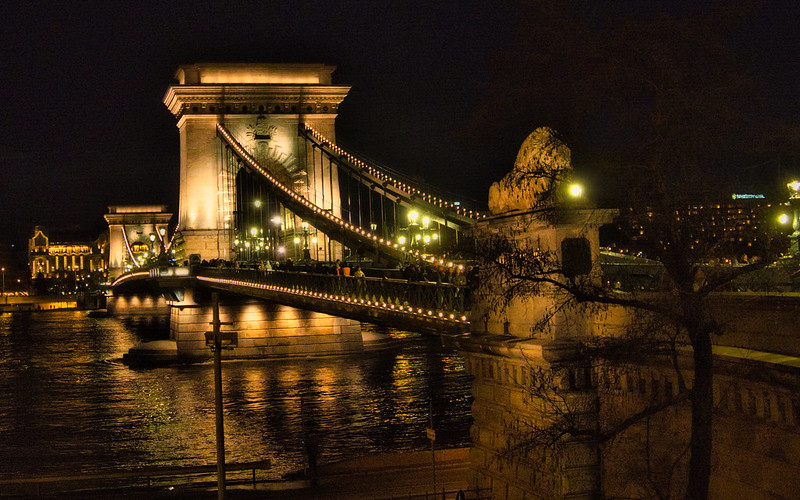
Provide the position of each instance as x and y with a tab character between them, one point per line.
248	73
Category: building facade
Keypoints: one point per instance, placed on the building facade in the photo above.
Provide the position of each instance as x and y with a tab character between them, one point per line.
64	263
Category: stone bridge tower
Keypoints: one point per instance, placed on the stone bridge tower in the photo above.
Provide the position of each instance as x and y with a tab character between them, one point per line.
262	105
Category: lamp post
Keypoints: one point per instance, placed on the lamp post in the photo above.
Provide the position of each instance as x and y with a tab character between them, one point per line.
152	247
5	297
256	248
414	236
794	201
306	251
276	221
217	341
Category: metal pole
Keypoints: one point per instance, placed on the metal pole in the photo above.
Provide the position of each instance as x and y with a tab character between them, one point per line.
218	401
433	454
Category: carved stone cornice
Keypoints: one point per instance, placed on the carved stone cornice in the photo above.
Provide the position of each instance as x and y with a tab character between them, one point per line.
254	99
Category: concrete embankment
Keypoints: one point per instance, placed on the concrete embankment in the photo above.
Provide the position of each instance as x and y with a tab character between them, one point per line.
393	475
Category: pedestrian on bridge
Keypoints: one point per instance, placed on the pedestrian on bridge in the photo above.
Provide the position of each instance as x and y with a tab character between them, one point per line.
361	282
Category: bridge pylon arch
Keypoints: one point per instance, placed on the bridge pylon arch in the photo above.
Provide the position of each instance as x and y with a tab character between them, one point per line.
263	106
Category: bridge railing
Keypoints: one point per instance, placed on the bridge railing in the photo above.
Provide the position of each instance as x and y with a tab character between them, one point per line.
422	295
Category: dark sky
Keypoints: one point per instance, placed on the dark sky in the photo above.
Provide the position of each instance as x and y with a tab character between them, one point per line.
83	125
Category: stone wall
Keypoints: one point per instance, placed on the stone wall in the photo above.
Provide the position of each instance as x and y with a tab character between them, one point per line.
755	441
506	413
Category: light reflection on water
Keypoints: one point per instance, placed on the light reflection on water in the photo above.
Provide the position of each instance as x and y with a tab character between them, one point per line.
68	404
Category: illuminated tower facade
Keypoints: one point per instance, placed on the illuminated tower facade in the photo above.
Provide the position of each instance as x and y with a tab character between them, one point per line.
262	105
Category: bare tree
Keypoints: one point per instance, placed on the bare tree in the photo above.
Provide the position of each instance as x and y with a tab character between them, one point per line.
657	324
663	107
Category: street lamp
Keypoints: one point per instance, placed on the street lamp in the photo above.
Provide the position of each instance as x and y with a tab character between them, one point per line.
576	190
306	251
152	246
276	221
5	297
254	234
794	200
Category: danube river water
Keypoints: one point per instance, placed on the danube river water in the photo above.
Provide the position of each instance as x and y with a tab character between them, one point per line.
68	404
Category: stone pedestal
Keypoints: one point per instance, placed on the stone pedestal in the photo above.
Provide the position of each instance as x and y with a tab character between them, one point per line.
533	394
510	410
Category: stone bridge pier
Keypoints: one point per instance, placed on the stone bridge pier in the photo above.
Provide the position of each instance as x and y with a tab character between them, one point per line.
263	329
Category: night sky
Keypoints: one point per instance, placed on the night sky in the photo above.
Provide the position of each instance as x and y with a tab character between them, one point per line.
83	125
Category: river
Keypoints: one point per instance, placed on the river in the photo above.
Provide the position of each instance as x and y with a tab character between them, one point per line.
68	404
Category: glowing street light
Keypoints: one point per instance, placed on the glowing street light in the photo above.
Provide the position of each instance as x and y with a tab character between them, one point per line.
784	218
794	189
575	190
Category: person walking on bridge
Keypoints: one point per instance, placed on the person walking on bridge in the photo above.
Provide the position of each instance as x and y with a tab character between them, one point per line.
361	282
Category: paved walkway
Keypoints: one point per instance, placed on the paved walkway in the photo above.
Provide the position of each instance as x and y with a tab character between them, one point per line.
398	475
407	475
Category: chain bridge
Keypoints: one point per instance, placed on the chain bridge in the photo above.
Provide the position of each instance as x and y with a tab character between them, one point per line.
269	204
302	241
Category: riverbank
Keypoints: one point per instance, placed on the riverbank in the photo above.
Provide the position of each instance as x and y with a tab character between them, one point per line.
375	476
386	476
29	304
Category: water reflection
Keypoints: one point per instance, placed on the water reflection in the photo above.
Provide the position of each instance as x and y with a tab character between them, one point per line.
70	405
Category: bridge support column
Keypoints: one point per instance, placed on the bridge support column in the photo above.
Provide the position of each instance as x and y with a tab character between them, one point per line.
521	388
533	395
264	329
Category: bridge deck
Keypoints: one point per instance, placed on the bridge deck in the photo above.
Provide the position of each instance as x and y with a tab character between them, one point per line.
430	307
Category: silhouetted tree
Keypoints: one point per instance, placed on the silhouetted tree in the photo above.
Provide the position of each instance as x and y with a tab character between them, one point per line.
665	103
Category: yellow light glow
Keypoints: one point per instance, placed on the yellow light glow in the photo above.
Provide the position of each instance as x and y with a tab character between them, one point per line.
412	217
401	240
576	190
783	218
794	186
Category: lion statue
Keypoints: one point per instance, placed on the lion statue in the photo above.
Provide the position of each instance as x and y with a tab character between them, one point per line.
542	165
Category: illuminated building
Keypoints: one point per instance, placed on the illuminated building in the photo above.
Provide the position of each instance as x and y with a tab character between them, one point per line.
66	263
727	230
